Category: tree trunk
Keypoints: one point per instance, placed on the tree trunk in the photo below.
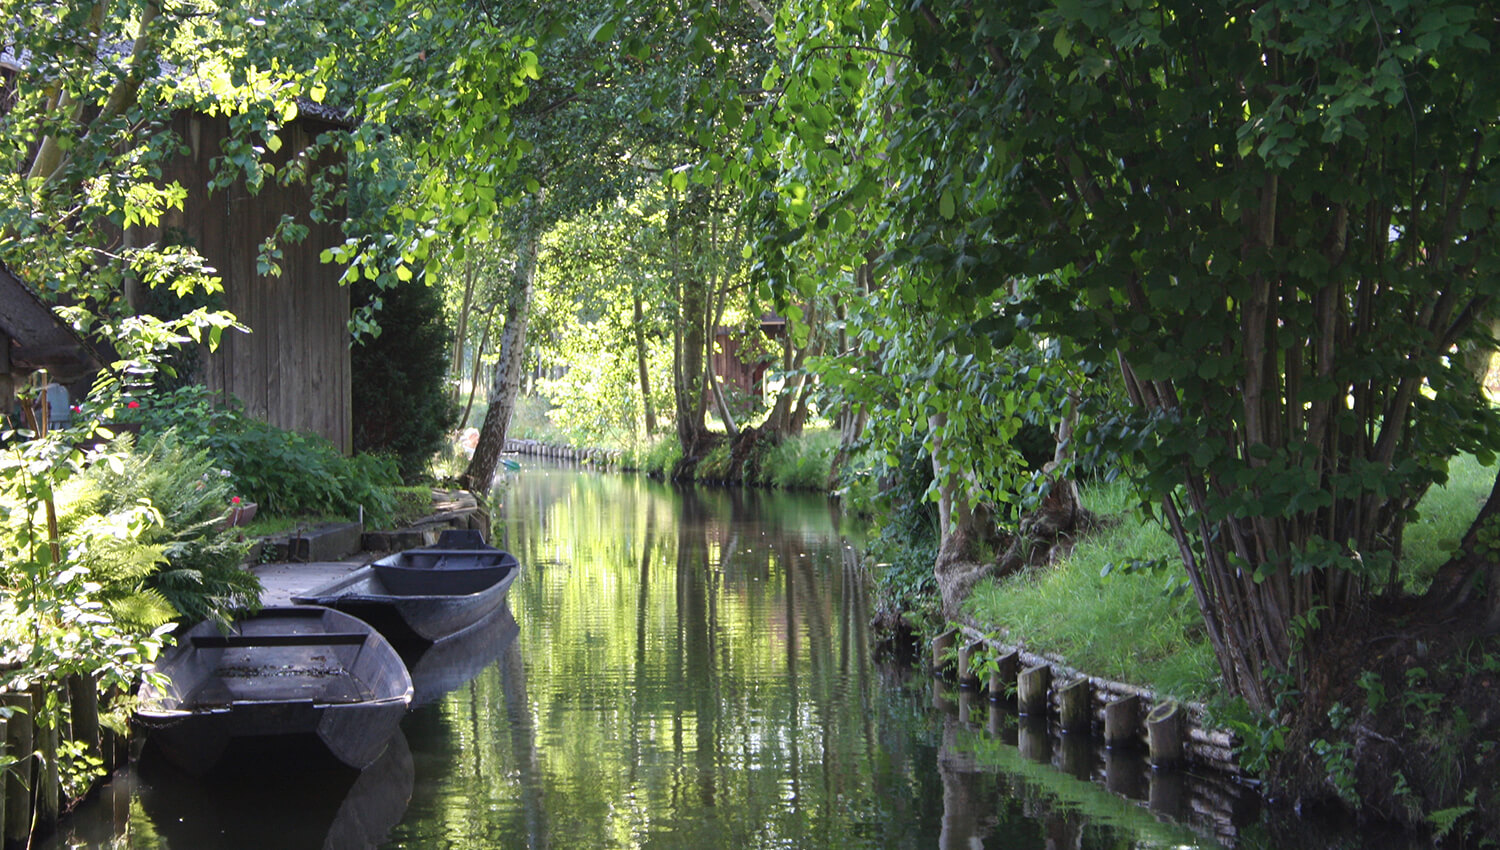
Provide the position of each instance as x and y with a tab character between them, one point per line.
851	420
484	341
461	332
690	339
1474	567
507	378
639	315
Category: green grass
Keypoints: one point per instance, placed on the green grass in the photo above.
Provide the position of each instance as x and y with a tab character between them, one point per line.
1137	625
1137	621
270	526
802	462
1443	516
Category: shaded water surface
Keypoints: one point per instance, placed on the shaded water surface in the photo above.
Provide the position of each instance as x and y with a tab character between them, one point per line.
682	669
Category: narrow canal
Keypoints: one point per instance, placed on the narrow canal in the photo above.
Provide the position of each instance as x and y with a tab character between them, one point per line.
684	669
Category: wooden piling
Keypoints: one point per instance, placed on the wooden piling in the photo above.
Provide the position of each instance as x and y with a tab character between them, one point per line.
1031	689
1122	717
19	740
1164	735
1075	705
967	678
83	697
941	646
49	780
1003	678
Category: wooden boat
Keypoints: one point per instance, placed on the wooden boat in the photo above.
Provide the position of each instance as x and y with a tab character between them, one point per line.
426	594
283	672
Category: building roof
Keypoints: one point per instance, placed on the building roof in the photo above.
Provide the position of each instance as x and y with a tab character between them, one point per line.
38	338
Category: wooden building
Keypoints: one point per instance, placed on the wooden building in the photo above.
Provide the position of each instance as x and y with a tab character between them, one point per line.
32	337
292	370
734	369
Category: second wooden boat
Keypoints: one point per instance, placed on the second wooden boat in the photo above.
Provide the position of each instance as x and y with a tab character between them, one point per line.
283	672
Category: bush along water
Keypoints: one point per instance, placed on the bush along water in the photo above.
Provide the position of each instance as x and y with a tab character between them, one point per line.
285	472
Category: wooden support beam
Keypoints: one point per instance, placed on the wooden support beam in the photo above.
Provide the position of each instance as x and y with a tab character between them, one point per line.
1164	728
1002	682
83	697
1075	705
48	779
1122	719
968	654
20	740
1031	689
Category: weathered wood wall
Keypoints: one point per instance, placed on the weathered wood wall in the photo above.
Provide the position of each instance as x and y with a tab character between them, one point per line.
293	369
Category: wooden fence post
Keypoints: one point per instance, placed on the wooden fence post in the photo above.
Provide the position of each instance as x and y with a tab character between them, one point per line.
49	782
19	740
1031	689
967	678
1076	705
1003	678
1122	718
1164	734
940	648
83	696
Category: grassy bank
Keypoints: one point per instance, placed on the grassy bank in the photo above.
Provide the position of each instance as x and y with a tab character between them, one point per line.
1119	605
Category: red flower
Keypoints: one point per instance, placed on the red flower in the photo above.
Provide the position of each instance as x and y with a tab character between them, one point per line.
133	404
235	500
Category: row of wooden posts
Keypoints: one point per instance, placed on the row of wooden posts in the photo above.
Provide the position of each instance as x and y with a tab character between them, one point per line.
33	733
536	448
1125	715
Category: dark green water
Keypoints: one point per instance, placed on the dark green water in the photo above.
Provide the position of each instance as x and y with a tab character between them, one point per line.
684	669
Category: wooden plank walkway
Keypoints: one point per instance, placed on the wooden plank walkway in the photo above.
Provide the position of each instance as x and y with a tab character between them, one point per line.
281	581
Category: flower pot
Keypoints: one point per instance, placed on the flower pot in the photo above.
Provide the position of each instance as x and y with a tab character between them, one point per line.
240	514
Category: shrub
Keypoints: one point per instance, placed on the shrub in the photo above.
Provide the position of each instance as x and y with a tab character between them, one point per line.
715	466
802	462
400	400
286	472
662	455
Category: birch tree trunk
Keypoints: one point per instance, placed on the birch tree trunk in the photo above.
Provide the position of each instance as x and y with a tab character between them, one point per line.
507	378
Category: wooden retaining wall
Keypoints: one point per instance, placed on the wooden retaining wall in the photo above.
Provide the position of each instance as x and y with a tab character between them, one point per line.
1208	801
1174	733
31	794
604	458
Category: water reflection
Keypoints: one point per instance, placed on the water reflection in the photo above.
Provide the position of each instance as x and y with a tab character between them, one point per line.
691	669
275	797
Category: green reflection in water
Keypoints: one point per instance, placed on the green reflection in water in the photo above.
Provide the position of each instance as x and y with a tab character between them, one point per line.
691	671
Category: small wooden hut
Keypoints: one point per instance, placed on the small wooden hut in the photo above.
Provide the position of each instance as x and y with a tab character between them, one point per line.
32	337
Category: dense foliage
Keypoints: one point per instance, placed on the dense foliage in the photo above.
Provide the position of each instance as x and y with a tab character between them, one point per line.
284	472
400	405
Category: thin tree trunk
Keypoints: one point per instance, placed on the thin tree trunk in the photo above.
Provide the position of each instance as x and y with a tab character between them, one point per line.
461	332
507	379
689	338
647	406
484	340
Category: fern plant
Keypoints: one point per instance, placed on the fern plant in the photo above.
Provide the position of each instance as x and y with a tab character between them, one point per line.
199	575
